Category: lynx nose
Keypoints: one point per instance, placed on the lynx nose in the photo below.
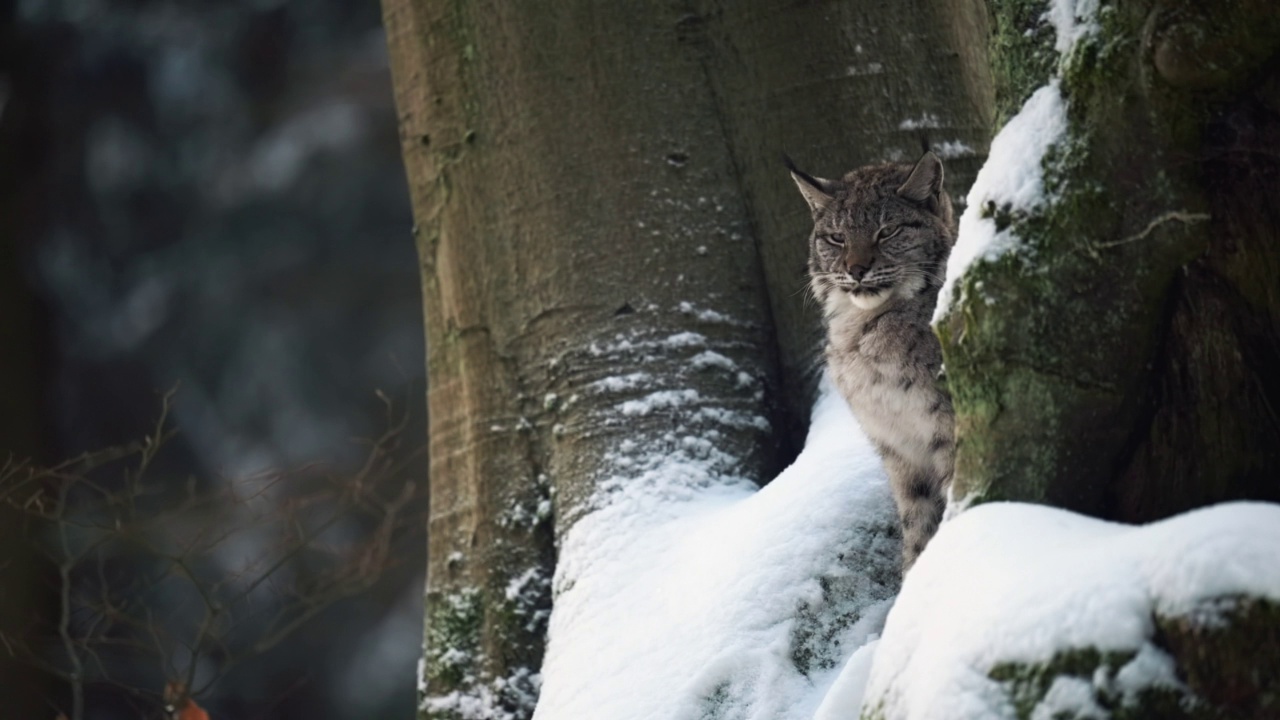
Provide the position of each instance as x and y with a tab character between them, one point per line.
857	270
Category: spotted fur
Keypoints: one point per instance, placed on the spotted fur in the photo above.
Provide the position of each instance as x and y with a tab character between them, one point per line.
877	254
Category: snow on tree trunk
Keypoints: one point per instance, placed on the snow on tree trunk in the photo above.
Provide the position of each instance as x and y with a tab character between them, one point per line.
594	303
728	603
1111	343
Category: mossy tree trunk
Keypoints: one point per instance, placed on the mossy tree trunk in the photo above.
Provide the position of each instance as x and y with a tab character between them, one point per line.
1122	361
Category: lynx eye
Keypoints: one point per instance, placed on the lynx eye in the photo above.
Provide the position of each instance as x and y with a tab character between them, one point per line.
835	239
886	232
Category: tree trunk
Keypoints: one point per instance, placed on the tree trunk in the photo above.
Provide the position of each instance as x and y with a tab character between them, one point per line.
584	244
1121	360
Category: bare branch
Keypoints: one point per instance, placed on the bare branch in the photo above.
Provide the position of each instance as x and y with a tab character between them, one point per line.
194	581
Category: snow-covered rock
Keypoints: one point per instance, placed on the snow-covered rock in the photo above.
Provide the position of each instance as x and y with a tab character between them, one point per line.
1025	611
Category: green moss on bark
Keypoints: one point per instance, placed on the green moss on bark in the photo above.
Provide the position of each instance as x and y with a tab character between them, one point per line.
471	632
452	639
1022	54
1046	353
1225	652
1028	687
1219	660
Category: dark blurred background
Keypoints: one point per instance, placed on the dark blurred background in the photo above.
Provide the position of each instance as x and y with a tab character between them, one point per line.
208	194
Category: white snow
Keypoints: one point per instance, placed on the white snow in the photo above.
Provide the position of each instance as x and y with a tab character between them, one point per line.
685	339
659	400
1071	697
518	585
680	598
1073	20
1150	668
1011	582
927	120
710	358
843	698
732	418
620	383
1011	181
950	149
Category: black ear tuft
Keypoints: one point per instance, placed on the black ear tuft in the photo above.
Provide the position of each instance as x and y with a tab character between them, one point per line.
786	160
924	184
816	191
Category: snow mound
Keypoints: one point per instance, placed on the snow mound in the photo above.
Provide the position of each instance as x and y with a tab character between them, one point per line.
727	602
1013	583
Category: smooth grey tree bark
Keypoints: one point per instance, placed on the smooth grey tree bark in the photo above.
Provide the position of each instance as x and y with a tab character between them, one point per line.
578	219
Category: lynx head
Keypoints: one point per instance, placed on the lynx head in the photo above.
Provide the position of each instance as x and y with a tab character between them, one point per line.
880	233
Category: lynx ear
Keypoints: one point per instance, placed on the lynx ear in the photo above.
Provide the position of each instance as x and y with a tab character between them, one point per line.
816	191
924	185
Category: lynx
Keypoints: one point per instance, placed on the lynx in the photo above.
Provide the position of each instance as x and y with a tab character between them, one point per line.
877	253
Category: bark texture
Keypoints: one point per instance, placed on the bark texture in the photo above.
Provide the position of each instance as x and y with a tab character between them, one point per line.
578	219
1123	363
838	85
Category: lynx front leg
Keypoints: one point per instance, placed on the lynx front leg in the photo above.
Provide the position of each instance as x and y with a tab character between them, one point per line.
920	495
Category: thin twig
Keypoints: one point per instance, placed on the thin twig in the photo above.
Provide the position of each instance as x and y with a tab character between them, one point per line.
1172	216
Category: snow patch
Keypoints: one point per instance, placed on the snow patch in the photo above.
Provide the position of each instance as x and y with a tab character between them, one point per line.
685	339
733	418
927	120
1073	20
622	383
660	400
1150	668
705	315
951	149
632	346
1069	697
710	358
491	701
1010	183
